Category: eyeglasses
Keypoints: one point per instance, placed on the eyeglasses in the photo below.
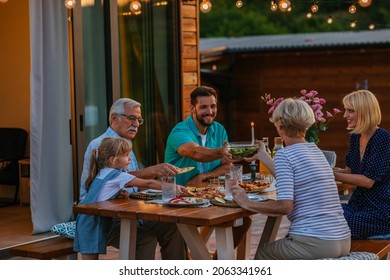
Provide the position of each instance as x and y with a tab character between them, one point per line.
132	118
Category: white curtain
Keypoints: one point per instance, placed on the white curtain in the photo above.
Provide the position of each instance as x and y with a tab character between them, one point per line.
51	154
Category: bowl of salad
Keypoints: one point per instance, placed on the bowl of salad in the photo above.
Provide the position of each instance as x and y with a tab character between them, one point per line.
239	150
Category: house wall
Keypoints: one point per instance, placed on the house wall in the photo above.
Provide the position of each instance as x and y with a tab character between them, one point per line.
189	22
14	70
333	73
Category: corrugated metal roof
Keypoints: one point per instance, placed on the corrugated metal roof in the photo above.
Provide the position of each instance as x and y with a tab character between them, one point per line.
295	41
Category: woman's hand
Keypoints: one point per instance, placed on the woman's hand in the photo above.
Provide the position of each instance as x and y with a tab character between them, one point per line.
239	195
260	150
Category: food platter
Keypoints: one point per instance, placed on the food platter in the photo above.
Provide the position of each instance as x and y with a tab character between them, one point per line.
254	186
187	201
208	192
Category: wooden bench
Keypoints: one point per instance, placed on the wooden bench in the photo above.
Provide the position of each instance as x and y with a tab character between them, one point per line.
56	248
380	247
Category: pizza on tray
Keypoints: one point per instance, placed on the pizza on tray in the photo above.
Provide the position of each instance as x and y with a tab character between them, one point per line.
185	169
203	192
255	186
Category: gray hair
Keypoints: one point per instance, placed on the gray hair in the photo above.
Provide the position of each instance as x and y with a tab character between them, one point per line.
118	107
294	115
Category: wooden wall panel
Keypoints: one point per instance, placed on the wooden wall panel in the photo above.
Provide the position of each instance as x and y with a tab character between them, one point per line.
332	73
189	30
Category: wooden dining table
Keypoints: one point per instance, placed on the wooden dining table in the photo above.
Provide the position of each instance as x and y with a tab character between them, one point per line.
189	221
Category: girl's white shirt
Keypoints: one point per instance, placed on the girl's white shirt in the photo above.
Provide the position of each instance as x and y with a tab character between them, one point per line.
113	186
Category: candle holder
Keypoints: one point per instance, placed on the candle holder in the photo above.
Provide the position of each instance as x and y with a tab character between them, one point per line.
253	167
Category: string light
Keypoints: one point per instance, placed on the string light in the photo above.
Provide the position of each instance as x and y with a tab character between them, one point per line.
353	23
364	3
329	20
205	6
284	5
239	4
309	15
135	6
314	8
274	7
352	9
371	26
70	4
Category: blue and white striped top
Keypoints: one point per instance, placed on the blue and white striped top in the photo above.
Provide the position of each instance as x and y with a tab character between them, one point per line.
303	175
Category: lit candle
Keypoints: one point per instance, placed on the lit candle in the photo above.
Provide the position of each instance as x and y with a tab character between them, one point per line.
253	132
253	136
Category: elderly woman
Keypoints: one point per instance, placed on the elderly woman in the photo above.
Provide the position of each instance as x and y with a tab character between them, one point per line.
368	167
306	192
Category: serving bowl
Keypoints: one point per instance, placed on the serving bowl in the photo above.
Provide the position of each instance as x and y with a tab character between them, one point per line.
239	150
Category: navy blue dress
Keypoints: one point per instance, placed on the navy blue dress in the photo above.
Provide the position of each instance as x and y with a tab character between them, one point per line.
92	231
368	210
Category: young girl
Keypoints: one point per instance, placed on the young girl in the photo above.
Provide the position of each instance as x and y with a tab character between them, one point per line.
106	180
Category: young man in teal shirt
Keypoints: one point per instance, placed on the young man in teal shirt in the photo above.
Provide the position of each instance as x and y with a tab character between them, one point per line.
199	141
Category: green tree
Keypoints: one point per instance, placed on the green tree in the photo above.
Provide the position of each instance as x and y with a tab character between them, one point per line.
256	18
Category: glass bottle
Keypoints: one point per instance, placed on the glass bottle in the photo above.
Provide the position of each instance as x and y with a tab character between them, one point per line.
278	144
263	169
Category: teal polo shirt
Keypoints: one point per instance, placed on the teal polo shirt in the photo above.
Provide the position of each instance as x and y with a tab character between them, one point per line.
185	132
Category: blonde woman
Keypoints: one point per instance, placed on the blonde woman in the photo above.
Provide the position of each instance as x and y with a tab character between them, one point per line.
306	192
367	167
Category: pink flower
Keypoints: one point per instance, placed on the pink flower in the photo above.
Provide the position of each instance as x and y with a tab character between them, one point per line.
315	103
336	111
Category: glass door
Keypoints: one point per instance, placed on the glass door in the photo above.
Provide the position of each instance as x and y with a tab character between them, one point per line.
118	53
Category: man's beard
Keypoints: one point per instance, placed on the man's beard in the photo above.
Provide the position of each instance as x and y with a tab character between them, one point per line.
202	122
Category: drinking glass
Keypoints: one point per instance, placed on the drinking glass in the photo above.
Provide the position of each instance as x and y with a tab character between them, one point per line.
168	188
236	171
230	181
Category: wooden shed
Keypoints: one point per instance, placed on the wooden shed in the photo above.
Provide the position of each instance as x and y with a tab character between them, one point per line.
244	69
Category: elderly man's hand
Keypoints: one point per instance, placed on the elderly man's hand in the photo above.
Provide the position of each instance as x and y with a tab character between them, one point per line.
165	169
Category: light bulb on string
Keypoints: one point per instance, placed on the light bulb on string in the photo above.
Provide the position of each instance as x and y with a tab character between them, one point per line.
135	6
364	3
352	9
205	6
70	4
353	24
274	7
314	8
371	26
309	15
239	4
284	5
329	20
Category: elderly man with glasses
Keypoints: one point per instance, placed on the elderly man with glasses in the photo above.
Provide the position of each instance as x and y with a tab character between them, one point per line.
125	119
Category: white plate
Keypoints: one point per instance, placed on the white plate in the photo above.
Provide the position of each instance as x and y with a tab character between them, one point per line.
255	197
244	177
153	191
190	202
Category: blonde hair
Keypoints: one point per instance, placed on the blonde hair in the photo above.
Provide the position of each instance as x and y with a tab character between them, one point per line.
109	147
367	109
294	115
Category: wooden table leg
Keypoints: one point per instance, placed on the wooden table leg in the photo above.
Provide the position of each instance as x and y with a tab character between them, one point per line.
128	239
225	244
270	230
194	241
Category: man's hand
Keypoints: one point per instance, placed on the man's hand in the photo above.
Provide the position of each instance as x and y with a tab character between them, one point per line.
226	155
164	169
